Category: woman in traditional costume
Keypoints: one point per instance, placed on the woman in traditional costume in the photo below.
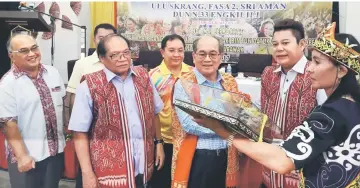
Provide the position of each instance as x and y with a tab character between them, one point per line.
326	146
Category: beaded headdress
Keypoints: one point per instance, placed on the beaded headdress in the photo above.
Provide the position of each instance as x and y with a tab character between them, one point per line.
342	53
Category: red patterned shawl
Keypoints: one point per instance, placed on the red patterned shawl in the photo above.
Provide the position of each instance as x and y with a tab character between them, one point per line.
299	102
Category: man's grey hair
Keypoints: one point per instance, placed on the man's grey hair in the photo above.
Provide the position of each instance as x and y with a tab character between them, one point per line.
220	43
8	43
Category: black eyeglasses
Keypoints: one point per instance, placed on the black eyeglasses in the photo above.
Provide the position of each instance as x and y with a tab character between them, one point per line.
118	55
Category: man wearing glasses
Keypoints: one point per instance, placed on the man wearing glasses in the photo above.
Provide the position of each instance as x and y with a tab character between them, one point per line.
115	120
82	67
201	158
31	116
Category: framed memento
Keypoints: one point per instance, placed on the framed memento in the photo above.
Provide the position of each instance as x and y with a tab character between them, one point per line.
231	109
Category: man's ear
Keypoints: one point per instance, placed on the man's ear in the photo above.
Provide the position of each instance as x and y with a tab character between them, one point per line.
302	44
194	56
95	42
101	58
11	55
162	52
221	55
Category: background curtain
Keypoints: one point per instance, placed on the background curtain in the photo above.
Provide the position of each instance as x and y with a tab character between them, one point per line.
101	12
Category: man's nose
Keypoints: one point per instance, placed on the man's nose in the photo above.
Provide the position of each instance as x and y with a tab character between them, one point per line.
207	57
279	47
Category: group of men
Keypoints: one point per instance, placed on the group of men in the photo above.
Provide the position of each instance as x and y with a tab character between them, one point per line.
125	129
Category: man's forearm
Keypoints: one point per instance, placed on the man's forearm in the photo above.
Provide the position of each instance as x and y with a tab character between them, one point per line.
81	142
157	127
14	139
66	109
68	105
72	100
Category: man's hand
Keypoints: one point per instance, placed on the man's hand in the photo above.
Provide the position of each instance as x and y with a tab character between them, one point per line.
25	163
160	156
67	111
89	180
212	124
207	122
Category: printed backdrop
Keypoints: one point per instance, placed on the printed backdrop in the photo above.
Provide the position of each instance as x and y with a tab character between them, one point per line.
244	27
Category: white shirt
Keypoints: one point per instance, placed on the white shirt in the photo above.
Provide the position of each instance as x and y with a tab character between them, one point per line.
20	98
83	66
289	77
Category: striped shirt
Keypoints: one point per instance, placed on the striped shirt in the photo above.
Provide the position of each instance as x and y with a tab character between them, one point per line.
207	139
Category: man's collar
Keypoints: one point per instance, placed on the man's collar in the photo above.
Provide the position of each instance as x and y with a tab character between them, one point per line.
165	71
110	75
201	79
278	69
18	72
299	67
95	58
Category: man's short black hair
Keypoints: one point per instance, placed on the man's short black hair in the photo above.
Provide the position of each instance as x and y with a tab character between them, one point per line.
101	50
171	38
104	26
289	24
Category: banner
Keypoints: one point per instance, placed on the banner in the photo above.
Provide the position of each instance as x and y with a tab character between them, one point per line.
245	27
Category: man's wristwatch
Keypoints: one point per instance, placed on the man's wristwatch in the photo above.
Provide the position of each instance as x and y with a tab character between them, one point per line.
160	141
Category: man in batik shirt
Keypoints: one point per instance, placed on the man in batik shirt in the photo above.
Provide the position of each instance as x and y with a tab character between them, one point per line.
163	77
31	116
82	67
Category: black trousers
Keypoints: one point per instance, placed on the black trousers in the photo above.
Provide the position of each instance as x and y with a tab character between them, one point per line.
208	169
79	179
139	179
262	186
46	174
162	178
